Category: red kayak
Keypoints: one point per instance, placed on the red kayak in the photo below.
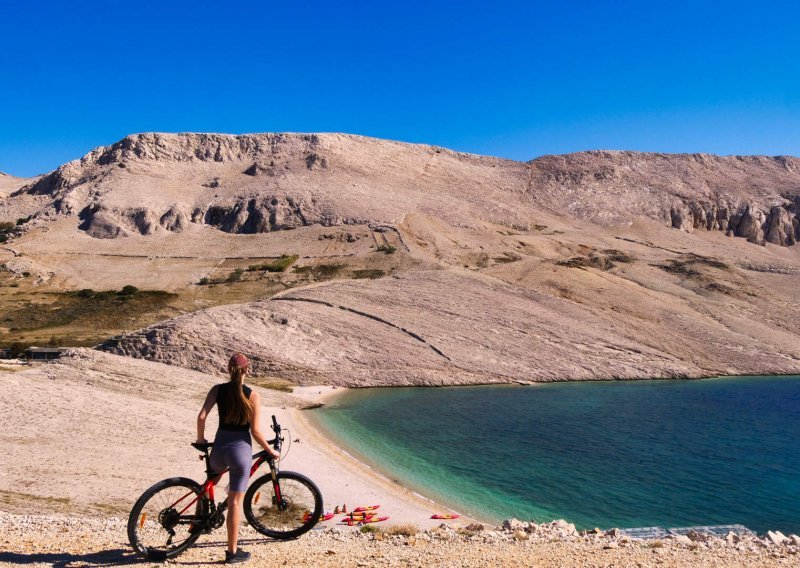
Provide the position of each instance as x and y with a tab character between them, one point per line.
351	522
445	517
322	518
364	509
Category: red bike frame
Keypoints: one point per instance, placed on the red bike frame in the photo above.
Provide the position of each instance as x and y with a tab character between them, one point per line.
208	486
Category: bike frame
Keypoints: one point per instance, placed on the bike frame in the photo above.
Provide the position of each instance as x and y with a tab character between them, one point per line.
213	478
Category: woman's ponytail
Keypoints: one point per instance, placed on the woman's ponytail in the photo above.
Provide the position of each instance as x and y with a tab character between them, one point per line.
240	409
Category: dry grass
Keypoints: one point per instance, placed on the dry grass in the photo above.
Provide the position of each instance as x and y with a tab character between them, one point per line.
402	530
272	383
15	501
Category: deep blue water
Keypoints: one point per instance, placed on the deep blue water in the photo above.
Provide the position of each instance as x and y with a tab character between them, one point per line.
609	454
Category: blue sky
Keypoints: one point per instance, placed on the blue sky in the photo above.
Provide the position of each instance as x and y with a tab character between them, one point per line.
512	79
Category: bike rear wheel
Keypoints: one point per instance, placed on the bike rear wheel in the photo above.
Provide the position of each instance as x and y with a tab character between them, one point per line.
295	513
160	521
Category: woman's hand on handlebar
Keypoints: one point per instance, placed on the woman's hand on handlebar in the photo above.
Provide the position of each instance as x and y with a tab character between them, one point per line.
271	451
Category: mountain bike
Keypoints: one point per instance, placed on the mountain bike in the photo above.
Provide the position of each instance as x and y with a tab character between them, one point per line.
172	514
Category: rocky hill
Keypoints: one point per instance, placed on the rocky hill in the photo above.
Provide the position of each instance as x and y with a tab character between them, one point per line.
411	264
151	183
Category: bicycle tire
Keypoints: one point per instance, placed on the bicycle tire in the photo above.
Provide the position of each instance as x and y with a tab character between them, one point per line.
302	506
139	518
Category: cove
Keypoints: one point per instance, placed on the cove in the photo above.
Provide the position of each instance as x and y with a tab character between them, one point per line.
607	454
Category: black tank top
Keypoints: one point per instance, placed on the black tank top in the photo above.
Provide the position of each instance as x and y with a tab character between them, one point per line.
225	394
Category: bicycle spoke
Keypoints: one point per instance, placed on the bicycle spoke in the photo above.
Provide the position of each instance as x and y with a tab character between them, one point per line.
296	502
159	525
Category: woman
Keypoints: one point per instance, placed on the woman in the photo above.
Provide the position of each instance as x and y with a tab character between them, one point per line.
239	417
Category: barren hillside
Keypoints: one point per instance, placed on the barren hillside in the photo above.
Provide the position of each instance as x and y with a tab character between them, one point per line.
348	260
258	183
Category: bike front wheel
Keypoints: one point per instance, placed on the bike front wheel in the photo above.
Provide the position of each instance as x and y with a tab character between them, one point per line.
167	518
286	512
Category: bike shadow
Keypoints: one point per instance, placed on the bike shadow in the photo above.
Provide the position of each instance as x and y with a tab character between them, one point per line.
115	556
111	557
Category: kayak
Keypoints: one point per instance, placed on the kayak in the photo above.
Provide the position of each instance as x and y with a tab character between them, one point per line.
445	517
351	522
359	517
364	509
325	517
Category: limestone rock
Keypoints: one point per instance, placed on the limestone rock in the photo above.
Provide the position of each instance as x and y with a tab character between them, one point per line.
781	227
682	218
751	224
776	537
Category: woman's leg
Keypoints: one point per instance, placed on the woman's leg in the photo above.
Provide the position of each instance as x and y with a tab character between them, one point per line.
235	500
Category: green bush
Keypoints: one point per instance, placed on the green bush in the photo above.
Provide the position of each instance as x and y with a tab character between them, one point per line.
370	529
388	249
85	293
128	290
368	273
280	265
204	280
236	275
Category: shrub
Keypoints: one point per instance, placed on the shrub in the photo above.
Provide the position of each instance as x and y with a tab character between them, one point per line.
280	265
370	529
128	290
388	249
320	271
236	275
85	293
6	226
204	280
403	530
368	273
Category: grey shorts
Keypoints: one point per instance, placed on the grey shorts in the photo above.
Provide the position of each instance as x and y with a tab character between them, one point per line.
233	450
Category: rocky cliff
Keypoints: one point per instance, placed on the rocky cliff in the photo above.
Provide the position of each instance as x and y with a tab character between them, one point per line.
151	183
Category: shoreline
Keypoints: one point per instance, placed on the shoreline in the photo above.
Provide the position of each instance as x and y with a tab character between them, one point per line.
366	462
345	478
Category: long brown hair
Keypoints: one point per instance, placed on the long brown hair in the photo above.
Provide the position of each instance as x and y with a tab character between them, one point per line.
240	409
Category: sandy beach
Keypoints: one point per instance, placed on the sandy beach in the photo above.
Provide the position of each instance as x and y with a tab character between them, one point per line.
113	426
124	424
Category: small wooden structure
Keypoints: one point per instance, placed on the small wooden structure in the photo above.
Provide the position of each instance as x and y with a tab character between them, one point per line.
43	353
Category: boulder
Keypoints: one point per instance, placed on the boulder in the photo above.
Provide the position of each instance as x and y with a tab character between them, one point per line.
173	220
776	537
101	224
781	227
682	218
512	524
751	225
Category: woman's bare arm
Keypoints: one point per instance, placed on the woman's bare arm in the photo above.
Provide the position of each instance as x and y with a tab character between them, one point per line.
211	400
255	425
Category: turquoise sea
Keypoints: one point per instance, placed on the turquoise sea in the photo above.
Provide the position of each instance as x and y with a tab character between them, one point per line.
605	454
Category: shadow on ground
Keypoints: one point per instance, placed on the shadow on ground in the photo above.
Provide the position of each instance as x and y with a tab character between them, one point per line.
113	557
110	557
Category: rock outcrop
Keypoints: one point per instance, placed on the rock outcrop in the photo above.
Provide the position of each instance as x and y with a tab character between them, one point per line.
267	182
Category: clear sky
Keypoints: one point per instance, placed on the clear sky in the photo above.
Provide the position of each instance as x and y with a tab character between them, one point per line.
512	79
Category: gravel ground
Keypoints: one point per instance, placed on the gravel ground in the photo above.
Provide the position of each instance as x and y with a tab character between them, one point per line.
65	541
